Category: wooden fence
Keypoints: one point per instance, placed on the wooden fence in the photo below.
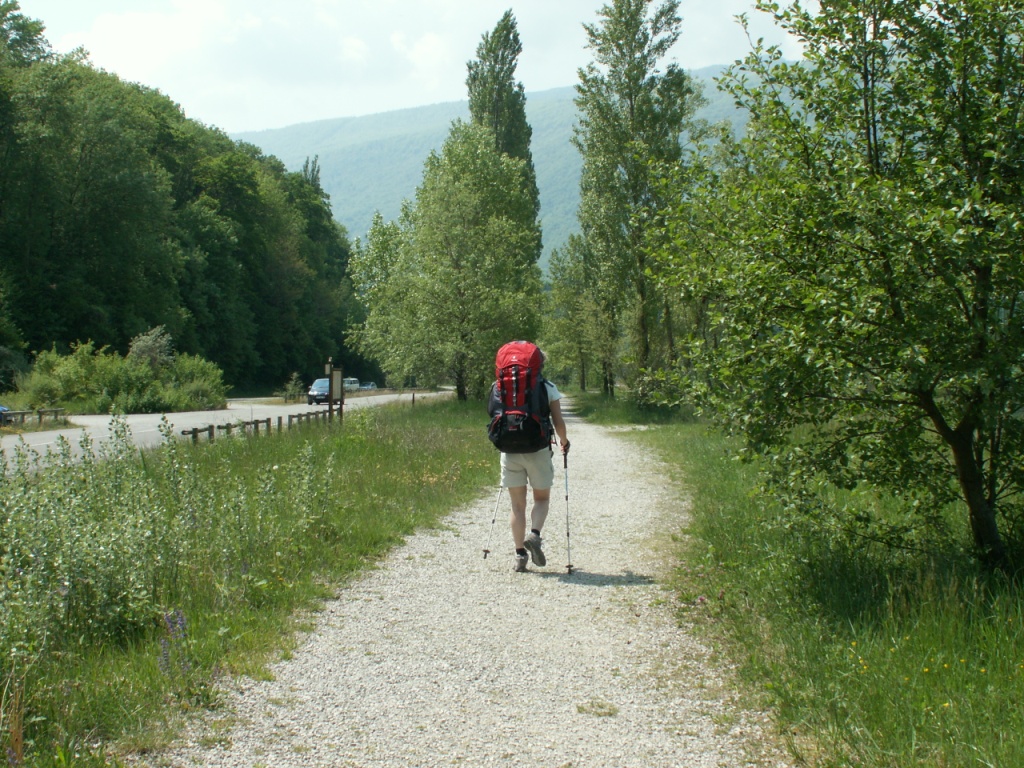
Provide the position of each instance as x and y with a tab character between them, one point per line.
19	417
255	426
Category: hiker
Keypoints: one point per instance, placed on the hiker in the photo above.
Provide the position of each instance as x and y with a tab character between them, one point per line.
524	406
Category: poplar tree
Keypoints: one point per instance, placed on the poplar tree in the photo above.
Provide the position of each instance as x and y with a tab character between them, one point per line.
498	102
632	117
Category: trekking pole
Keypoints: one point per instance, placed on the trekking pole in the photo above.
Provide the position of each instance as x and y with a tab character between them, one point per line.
497	501
568	545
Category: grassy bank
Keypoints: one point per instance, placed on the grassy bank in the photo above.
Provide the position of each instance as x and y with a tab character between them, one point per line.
128	584
870	656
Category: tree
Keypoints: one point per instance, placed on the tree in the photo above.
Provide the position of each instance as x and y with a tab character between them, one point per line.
498	102
117	214
21	38
864	263
581	328
631	116
447	285
86	210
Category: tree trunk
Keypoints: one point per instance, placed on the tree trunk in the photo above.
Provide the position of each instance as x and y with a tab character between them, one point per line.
609	380
461	385
670	337
644	342
981	511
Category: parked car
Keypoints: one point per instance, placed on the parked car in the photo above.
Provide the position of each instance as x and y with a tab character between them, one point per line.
368	385
351	385
319	391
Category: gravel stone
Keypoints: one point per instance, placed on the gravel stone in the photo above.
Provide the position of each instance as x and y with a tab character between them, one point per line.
441	657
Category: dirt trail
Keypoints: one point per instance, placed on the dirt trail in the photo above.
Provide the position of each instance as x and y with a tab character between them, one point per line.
441	657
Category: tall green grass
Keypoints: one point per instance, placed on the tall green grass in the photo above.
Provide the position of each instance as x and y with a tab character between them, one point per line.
869	656
624	409
129	583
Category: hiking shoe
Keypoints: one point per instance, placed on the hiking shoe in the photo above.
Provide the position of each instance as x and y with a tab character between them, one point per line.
519	563
533	544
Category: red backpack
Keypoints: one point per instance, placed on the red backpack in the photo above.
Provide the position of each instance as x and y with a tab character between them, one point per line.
518	406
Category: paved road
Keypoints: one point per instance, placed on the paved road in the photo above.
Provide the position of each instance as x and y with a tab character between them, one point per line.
145	428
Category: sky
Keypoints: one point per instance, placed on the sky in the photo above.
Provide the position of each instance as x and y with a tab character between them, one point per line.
249	65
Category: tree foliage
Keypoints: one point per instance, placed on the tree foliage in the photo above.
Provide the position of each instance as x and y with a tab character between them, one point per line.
633	115
455	278
118	214
21	38
498	102
860	255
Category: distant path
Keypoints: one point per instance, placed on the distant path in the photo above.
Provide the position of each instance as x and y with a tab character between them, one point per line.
145	428
440	657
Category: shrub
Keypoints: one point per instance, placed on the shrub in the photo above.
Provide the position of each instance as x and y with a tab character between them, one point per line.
91	380
294	389
154	347
193	383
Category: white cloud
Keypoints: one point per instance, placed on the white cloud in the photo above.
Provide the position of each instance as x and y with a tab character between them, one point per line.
251	64
429	57
355	50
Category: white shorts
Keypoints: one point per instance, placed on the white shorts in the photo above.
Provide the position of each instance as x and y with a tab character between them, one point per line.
516	468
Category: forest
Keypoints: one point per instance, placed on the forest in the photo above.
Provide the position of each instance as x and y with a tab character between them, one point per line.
119	215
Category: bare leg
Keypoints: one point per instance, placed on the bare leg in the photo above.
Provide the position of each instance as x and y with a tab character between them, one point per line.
518	520
541	504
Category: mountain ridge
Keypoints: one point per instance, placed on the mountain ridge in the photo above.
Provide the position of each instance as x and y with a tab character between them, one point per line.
372	163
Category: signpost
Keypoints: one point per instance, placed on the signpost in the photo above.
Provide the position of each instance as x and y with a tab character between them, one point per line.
335	389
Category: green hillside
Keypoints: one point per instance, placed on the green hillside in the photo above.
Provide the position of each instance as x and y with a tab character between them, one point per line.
373	163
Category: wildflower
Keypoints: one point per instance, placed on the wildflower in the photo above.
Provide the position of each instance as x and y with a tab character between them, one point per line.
175	623
165	655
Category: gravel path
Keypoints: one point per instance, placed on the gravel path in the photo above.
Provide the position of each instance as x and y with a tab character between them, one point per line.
441	657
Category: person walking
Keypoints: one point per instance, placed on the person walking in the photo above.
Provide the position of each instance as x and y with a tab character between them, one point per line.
519	367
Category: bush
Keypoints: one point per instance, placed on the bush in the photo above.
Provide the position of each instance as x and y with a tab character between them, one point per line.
101	381
293	390
154	347
194	384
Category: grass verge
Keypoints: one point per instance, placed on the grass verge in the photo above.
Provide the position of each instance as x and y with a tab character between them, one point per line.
869	656
129	584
